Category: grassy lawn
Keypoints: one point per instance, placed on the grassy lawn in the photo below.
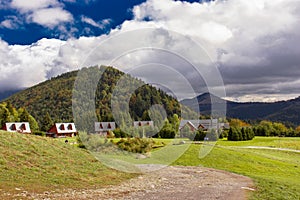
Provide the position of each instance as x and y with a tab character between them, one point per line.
276	142
276	173
37	164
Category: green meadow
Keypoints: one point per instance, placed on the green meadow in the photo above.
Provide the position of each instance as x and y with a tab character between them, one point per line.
38	164
275	172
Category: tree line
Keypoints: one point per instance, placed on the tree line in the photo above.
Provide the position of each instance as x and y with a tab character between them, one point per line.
8	113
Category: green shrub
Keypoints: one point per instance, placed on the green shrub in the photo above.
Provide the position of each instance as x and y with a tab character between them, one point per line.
136	145
39	133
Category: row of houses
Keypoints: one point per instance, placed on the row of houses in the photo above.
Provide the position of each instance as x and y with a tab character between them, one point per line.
68	129
103	128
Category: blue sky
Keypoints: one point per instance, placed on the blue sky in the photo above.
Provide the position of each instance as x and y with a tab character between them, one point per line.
253	44
27	32
115	12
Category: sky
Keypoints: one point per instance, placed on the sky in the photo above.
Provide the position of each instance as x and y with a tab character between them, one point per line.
253	46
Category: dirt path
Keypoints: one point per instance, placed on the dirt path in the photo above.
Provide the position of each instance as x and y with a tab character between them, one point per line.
173	182
269	148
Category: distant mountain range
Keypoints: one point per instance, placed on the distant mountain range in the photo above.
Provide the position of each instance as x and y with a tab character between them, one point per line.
54	96
283	111
6	94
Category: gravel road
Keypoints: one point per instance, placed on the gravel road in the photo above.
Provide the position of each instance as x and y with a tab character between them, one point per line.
172	182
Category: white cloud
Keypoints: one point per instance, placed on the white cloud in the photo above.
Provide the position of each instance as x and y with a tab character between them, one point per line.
101	25
254	42
48	13
50	17
32	5
11	22
26	65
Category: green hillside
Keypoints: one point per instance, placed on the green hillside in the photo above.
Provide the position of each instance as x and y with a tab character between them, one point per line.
55	96
36	164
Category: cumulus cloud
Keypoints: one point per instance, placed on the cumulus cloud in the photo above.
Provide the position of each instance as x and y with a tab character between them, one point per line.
26	6
48	13
50	17
253	43
26	65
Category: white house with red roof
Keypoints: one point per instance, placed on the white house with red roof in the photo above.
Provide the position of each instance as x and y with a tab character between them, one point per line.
20	127
62	130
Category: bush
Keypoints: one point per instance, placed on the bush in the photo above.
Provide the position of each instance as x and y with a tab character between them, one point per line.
136	145
212	135
119	133
39	133
199	136
240	134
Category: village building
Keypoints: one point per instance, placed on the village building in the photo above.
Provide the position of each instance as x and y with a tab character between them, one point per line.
203	124
20	127
103	128
62	130
142	123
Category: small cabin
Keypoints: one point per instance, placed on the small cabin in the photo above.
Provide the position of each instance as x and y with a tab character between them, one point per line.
62	130
137	124
204	124
103	128
20	127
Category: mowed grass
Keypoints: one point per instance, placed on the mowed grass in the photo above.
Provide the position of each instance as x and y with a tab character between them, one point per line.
275	142
276	174
38	164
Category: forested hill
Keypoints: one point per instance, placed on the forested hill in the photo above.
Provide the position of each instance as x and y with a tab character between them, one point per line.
282	111
54	97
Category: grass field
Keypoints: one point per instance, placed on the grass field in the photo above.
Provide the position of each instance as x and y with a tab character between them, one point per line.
276	173
38	164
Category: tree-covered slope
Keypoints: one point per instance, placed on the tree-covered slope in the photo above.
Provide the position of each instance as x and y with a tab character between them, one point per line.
54	97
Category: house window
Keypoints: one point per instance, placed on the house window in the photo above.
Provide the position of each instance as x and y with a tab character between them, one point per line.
70	127
109	126
13	127
23	127
140	123
101	126
62	127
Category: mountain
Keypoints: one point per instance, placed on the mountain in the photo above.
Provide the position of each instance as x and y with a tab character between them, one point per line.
54	96
283	111
6	94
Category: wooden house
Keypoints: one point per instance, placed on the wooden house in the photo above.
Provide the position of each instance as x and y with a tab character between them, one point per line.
20	127
103	128
62	130
137	124
194	125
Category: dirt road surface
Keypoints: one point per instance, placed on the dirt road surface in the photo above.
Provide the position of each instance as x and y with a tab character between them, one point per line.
172	182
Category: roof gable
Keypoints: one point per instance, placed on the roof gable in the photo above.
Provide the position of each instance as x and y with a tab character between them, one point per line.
142	123
105	126
22	127
65	127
